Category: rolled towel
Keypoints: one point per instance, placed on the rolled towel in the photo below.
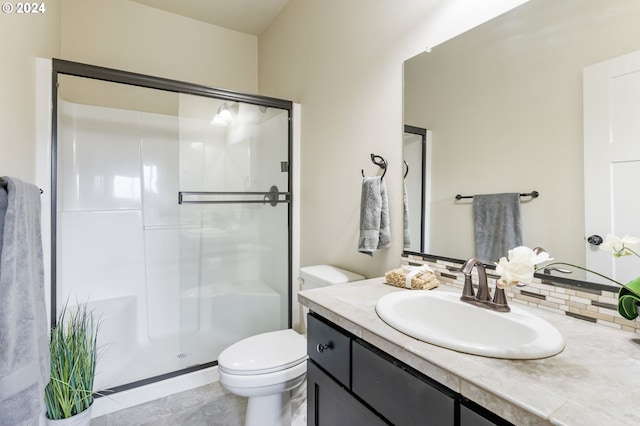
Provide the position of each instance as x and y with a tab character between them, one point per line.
412	277
628	298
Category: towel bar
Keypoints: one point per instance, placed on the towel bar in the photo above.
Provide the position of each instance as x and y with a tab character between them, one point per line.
532	194
3	184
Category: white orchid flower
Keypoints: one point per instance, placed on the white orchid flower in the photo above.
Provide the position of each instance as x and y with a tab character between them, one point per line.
625	246
520	266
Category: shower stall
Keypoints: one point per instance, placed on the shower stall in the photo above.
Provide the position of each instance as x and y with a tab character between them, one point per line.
171	217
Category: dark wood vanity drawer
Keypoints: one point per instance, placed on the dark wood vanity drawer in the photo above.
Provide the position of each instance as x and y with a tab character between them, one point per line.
329	404
329	348
398	394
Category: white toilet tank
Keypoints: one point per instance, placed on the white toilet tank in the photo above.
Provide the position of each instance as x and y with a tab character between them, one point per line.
322	276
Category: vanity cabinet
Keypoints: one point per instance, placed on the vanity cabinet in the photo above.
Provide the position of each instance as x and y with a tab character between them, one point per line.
352	383
329	403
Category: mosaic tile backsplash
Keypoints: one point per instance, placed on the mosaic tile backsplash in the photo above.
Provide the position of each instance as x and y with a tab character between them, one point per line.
592	305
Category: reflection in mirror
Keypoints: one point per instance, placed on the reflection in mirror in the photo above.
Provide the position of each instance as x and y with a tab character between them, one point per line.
414	153
505	104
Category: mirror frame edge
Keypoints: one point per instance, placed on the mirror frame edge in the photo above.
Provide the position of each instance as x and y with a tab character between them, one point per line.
422	132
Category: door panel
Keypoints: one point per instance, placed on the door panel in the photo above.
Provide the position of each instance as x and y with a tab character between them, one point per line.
612	161
234	233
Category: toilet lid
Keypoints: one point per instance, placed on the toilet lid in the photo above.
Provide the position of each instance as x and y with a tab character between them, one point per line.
264	353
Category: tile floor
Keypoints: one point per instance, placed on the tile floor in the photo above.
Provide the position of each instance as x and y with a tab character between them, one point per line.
208	405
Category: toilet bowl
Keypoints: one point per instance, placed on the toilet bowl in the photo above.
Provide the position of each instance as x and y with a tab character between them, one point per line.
270	368
265	368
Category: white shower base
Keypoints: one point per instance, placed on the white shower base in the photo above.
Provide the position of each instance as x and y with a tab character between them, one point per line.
211	322
150	392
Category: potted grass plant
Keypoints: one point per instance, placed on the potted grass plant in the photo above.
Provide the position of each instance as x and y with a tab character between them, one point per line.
73	352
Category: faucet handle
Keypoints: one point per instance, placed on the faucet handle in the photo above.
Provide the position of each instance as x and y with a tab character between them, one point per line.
500	303
547	271
467	290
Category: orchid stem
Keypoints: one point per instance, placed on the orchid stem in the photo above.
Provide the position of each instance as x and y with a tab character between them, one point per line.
624	248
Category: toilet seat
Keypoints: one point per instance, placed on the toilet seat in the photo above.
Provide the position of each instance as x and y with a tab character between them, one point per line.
264	353
264	384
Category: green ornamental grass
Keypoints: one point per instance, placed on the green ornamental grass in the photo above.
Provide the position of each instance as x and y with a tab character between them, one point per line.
73	351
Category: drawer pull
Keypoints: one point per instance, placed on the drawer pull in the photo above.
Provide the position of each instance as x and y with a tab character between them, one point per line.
321	348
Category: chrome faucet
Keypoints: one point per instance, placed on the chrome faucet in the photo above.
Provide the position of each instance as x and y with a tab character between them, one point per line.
483	298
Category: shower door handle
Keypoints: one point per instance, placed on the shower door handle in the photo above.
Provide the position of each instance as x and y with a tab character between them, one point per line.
199	197
272	196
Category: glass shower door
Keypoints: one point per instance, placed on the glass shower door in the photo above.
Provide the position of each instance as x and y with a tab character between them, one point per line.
234	224
171	218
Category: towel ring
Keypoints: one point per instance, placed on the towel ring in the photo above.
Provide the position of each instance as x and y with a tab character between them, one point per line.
380	162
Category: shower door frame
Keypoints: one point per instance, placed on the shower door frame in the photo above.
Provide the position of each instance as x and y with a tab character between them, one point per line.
77	69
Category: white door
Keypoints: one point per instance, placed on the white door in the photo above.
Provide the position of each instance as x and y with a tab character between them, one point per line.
612	161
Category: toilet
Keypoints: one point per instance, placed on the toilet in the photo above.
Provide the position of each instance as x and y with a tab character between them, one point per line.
269	368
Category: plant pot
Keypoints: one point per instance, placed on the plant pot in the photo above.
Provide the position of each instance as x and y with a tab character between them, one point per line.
80	419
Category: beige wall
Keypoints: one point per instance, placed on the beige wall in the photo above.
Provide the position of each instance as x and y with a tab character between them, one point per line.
24	38
117	34
343	62
125	35
504	103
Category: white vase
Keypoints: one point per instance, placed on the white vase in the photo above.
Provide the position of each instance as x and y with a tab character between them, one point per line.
80	419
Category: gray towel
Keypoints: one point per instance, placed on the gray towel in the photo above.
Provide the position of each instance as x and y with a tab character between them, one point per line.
375	232
405	217
497	225
4	199
24	346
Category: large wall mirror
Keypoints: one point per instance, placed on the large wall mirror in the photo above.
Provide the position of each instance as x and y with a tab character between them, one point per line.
504	105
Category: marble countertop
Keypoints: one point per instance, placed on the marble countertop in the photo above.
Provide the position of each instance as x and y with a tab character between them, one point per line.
595	380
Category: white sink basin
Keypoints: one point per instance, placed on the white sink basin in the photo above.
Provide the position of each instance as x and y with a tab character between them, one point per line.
442	319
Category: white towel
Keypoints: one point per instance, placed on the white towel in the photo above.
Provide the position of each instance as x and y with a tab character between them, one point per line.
24	346
375	232
497	225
